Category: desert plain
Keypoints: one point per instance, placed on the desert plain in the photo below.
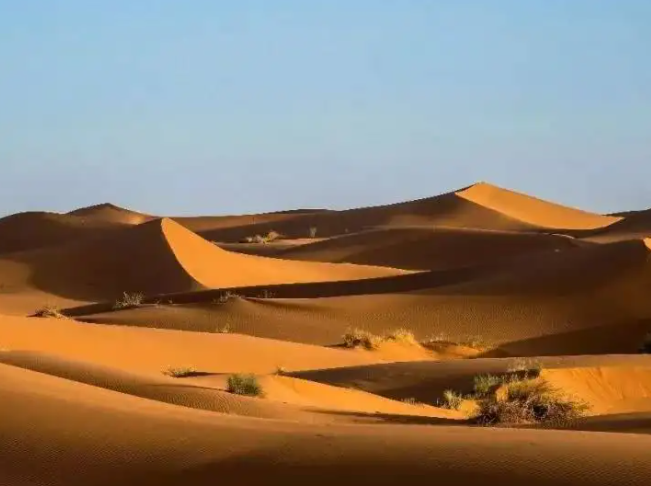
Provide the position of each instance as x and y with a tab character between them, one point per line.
481	336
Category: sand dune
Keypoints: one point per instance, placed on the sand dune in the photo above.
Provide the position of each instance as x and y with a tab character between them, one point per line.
159	257
592	299
28	231
487	279
427	249
167	445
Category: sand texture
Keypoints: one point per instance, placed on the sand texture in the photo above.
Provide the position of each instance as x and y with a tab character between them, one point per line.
123	336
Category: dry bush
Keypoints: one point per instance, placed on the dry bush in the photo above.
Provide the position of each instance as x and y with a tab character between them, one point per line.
401	335
527	400
313	231
49	311
272	236
180	372
247	385
452	400
358	338
129	300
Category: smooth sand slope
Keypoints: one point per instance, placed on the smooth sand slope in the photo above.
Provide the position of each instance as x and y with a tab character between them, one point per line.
427	248
157	257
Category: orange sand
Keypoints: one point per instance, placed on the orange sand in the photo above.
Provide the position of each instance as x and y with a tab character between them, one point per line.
482	277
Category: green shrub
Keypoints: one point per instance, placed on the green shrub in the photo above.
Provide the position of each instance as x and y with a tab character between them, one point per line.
244	385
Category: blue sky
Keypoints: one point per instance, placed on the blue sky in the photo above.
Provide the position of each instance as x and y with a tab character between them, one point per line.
209	107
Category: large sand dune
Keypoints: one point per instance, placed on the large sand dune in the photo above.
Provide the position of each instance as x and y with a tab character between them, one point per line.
482	280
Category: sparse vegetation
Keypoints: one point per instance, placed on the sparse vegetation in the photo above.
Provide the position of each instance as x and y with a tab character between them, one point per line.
452	400
129	300
225	297
247	385
272	236
528	400
280	370
180	372
520	398
359	338
646	344
401	335
485	384
313	231
527	365
50	311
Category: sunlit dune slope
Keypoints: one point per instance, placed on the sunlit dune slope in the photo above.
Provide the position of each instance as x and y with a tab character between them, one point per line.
161	257
154	350
533	210
634	225
481	206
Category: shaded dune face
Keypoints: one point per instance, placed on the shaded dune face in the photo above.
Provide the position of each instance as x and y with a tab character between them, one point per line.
328	351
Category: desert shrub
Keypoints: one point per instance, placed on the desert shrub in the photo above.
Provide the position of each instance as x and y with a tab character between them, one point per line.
180	372
401	335
313	230
359	338
272	235
484	384
225	297
646	344
258	239
129	300
527	400
49	311
452	399
526	365
280	370
244	385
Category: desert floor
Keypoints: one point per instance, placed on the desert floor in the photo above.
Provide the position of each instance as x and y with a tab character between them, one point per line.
479	335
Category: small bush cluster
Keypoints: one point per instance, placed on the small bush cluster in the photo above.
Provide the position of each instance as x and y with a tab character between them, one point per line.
518	398
180	372
226	297
359	338
262	239
129	300
49	311
247	385
528	400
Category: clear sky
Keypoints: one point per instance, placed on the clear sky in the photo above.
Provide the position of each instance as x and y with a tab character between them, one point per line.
209	107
